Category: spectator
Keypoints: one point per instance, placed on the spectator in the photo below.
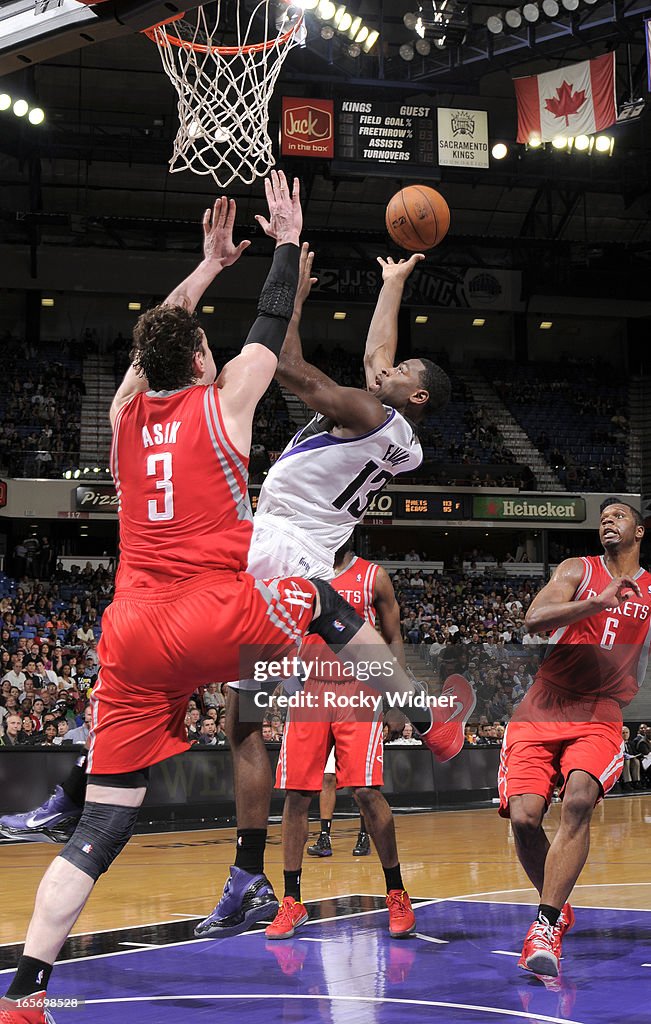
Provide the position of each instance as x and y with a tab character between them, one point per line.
13	732
80	734
267	732
49	735
208	733
631	771
62	731
406	737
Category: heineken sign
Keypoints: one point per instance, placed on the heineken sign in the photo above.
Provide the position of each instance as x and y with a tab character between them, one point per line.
533	508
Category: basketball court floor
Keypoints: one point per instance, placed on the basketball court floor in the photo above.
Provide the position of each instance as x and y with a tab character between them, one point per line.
132	955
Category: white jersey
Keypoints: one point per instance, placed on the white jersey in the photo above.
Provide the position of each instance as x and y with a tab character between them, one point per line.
322	484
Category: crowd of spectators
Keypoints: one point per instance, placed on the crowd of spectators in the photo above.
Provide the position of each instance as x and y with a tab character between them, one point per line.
585	402
40	408
454	622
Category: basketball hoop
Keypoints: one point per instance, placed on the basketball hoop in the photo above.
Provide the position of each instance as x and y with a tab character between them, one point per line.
224	91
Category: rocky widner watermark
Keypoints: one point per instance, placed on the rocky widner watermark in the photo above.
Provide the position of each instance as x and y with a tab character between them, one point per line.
360	680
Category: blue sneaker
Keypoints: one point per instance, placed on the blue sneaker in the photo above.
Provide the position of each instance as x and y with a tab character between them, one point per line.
246	900
52	822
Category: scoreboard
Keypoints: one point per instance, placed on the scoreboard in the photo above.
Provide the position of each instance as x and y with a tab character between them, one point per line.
385	133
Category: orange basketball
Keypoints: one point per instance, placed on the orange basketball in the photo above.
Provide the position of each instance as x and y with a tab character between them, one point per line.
417	218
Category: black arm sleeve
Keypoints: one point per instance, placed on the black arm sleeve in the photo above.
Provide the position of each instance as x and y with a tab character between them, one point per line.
276	302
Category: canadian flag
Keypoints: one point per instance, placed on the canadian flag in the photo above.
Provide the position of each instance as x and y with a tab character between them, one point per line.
576	100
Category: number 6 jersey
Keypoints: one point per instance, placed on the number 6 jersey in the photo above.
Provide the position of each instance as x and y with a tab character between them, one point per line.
323	484
604	656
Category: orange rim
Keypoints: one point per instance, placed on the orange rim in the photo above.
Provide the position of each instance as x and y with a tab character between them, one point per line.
226	51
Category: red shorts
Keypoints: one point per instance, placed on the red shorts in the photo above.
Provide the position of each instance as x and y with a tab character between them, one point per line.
309	738
535	755
158	646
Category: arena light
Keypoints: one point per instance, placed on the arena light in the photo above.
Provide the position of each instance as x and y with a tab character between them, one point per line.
207	309
421	319
570	5
327	31
48	303
546	325
76	474
406	51
135	307
5	101
531	13
67	475
410	20
499	151
535	142
20	108
36	115
559	142
371	41
354	50
513	18
326	10
582	142
423	46
495	25
604	144
478	321
339	316
550	8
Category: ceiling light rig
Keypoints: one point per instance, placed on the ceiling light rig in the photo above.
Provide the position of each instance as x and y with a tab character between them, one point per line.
438	22
530	13
601	145
21	108
337	20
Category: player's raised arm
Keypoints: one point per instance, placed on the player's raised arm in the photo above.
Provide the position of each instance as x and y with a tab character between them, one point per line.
244	380
388	613
347	407
382	337
219	251
554	605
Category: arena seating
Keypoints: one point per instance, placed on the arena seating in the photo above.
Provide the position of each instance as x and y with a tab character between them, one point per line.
575	414
40	408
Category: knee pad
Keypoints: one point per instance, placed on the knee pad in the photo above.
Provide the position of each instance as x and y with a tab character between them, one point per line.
337	622
102	833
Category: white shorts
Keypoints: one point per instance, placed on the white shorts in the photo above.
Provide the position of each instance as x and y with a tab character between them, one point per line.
278	550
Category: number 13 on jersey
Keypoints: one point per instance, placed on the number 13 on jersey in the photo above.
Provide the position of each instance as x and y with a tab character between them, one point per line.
160	466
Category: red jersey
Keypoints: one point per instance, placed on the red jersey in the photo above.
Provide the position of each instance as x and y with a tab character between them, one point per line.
605	655
356	584
182	489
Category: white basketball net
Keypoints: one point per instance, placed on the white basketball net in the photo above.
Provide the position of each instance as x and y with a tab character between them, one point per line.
224	92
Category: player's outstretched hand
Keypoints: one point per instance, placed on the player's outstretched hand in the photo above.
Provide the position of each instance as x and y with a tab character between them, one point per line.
305	280
285	214
218	226
619	590
400	271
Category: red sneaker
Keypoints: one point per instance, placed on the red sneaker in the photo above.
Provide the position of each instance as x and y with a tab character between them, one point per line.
291	915
539	951
445	735
402	921
30	1010
565	922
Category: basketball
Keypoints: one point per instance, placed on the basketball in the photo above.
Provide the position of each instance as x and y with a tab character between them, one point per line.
417	218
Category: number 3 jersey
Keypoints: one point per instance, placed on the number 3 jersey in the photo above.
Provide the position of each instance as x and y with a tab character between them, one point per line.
604	656
182	489
322	484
